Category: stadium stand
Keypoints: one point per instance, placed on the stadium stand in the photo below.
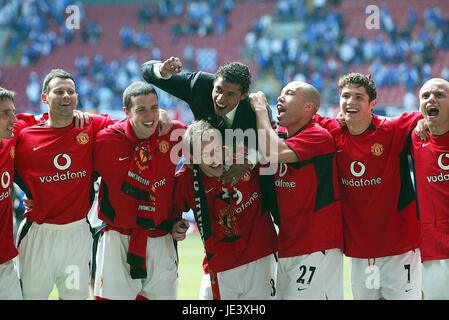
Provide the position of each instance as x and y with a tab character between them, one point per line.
312	40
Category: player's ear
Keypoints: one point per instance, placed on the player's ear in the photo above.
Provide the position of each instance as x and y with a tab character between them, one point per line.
309	106
126	111
44	98
372	104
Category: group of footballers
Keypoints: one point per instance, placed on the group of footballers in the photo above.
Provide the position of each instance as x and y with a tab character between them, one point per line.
276	213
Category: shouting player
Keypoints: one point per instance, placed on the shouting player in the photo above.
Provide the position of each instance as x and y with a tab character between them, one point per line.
431	164
310	231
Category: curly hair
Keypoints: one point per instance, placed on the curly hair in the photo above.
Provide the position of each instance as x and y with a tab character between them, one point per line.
359	80
237	73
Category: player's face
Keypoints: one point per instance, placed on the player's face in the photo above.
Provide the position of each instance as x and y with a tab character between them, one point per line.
144	115
355	104
226	96
61	98
291	105
7	118
434	105
211	158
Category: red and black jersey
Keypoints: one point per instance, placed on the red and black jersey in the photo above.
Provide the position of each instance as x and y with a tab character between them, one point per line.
377	196
8	152
54	167
113	154
7	247
256	227
308	195
431	164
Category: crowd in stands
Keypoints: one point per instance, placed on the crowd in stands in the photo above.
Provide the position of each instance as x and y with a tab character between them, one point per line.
31	25
318	54
100	86
321	51
101	83
204	18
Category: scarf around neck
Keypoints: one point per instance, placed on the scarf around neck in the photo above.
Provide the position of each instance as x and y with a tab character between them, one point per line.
139	184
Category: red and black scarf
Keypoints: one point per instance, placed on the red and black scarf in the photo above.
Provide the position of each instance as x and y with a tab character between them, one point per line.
139	184
226	237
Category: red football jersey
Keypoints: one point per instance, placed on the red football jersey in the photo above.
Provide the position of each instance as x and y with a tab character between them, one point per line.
308	197
256	227
431	162
7	149
7	247
113	153
55	166
377	197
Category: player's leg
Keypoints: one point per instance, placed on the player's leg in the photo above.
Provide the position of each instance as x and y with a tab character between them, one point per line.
36	260
401	276
205	288
334	274
74	250
365	279
230	283
9	282
303	277
112	277
260	279
162	268
435	279
253	281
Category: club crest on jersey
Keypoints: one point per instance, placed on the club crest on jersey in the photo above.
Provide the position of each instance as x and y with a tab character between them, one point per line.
164	146
142	158
82	138
377	149
228	221
12	152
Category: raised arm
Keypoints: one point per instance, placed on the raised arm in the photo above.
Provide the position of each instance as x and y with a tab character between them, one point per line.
272	146
167	76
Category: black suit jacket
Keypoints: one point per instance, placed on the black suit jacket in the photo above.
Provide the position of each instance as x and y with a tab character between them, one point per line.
196	90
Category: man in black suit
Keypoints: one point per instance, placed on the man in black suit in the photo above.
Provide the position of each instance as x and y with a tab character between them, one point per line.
222	100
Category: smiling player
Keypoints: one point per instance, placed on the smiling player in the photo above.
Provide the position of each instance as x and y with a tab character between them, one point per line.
9	282
136	254
238	234
222	100
381	230
54	166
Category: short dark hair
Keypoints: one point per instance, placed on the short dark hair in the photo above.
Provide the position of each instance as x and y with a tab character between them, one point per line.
6	94
237	73
359	80
135	89
56	73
